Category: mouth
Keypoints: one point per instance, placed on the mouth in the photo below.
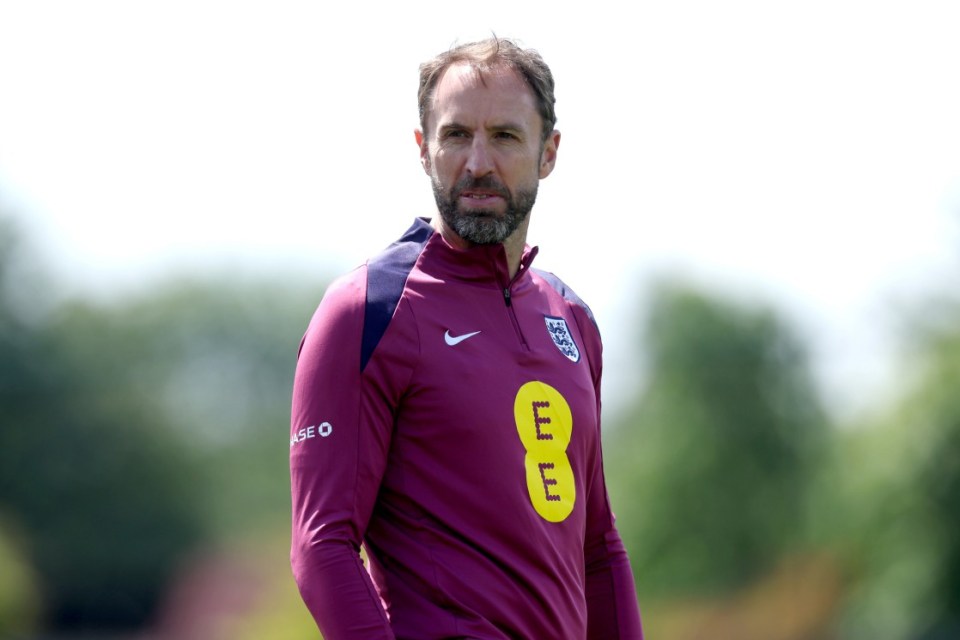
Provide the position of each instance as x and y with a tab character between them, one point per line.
485	206
482	192
481	197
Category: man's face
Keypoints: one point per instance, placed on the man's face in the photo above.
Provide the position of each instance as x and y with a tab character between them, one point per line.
484	153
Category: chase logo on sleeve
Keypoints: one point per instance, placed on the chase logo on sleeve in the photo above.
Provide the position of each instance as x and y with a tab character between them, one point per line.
322	430
561	336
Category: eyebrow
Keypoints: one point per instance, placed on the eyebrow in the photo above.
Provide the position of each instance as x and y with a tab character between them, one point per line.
506	126
509	126
453	126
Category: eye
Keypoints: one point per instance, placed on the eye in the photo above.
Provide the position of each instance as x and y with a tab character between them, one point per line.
454	133
505	135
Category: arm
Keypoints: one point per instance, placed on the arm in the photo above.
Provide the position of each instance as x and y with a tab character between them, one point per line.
612	610
339	441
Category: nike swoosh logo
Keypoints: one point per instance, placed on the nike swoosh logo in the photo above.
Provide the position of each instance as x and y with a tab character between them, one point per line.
455	340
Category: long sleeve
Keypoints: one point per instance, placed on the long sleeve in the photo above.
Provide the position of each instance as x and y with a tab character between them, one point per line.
612	609
340	437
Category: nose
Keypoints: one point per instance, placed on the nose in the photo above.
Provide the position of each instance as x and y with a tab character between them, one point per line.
480	158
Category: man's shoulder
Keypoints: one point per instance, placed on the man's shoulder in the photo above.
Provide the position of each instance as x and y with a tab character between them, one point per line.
387	271
384	272
385	278
346	290
565	292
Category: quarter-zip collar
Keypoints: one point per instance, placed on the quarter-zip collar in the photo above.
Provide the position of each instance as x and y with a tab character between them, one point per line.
480	264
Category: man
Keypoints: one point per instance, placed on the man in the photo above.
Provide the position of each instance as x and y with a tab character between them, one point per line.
446	404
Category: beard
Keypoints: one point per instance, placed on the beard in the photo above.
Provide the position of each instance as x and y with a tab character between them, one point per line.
483	226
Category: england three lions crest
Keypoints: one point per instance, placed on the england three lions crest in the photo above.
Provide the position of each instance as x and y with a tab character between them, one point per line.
561	336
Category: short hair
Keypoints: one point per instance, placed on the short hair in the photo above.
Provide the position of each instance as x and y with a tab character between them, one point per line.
487	54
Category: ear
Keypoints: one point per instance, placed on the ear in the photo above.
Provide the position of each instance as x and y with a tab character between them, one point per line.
548	157
424	153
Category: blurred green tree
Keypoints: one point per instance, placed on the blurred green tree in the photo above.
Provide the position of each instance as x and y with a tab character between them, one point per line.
19	589
90	475
939	470
900	481
215	357
136	430
710	467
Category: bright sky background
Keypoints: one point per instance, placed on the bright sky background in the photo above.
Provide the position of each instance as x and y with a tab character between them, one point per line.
805	153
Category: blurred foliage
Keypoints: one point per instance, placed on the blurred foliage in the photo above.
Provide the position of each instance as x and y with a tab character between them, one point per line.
900	497
137	432
214	359
281	614
936	407
144	487
19	592
712	468
748	515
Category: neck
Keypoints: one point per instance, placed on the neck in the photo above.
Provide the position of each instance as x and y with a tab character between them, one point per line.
513	245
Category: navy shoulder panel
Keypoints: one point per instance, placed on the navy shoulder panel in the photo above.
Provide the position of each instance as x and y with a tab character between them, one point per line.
566	292
386	276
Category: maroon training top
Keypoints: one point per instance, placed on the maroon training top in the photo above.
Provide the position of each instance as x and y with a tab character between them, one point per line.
449	419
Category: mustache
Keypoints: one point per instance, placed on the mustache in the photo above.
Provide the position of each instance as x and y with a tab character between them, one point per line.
487	183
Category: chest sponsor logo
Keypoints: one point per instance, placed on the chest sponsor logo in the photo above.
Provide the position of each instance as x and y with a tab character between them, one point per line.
562	338
545	425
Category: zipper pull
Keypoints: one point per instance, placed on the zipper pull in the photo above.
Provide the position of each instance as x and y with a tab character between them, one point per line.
506	296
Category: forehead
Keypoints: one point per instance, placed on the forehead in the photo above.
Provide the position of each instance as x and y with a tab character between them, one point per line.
477	97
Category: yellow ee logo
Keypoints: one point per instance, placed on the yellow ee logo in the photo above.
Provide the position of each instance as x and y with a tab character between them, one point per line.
545	424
